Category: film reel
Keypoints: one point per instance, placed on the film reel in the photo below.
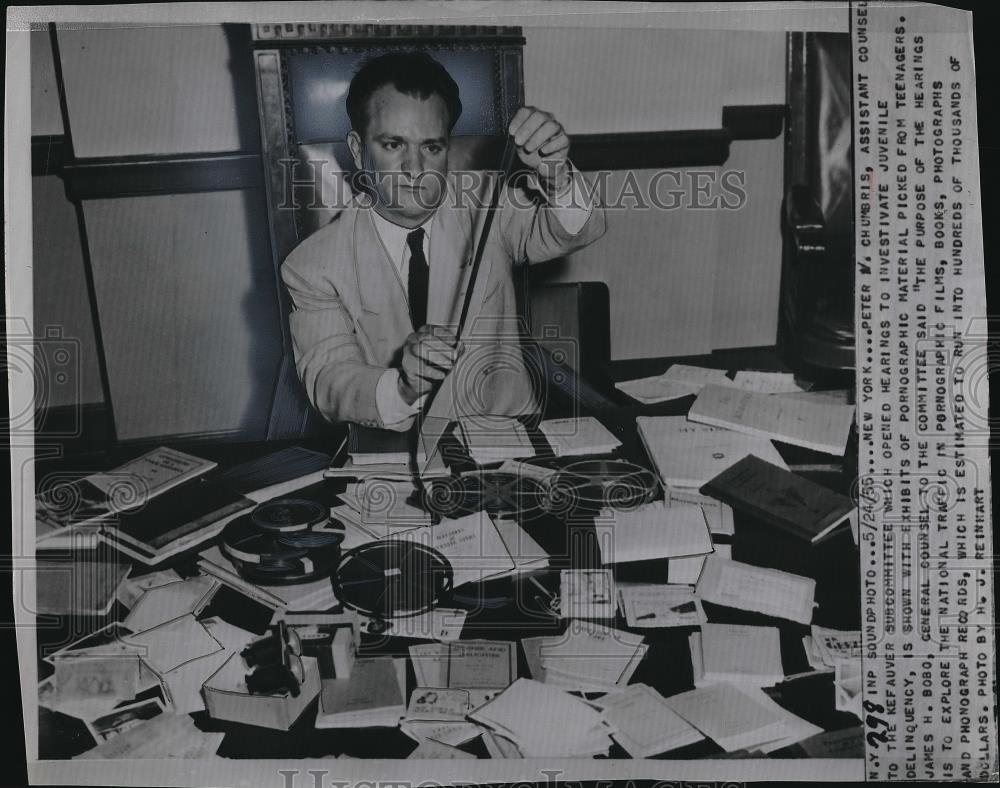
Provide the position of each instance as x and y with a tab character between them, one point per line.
392	578
277	544
614	484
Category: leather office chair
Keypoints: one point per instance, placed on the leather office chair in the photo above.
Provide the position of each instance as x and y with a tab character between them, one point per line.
816	326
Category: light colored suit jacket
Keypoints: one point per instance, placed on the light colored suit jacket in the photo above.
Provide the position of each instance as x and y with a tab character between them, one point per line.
350	316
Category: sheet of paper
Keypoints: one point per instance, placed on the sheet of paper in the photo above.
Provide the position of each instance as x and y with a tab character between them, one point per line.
597	655
123	718
818	426
660	605
543	720
685	570
164	603
834	646
84	685
500	746
731	718
471	544
644	724
430	664
656	389
134	587
680	380
746	587
767	382
450	733
164	736
175	643
653	530
440	623
183	684
718	515
587	593
436	703
481	663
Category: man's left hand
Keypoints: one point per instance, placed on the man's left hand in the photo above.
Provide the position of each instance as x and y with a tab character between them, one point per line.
543	145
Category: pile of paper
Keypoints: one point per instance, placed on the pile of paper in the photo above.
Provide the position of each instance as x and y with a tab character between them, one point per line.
741	718
654	530
578	436
590	656
644	725
493	439
544	721
739	654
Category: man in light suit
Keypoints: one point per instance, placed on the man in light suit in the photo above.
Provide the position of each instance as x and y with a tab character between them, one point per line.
378	292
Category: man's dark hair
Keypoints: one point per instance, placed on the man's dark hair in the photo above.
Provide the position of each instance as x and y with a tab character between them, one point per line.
412	73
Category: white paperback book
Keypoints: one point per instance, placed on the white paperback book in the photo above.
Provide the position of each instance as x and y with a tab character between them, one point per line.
687	454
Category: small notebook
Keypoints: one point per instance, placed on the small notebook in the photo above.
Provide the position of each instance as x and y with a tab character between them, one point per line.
572	437
735	653
784	499
371	445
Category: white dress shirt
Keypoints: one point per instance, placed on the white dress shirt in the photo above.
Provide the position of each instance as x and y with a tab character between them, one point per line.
571	208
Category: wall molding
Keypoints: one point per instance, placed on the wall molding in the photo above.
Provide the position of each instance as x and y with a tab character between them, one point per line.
123	176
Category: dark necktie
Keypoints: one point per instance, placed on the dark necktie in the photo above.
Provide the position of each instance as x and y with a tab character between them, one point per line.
418	279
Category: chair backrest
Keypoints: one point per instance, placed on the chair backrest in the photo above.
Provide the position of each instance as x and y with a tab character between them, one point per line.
303	73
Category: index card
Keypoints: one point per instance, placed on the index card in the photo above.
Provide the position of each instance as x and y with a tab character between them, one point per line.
818	426
660	605
746	587
481	663
644	724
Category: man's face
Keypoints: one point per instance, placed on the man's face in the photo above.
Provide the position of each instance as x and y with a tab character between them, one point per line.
405	148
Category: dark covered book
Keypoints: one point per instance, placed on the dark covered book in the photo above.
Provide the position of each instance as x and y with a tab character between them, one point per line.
784	499
185	518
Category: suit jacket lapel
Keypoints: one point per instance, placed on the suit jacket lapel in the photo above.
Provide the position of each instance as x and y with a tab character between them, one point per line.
378	281
450	251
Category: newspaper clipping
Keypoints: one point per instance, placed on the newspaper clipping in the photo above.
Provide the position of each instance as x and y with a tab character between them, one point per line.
317	483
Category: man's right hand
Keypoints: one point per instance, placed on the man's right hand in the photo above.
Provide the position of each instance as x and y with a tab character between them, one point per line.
428	355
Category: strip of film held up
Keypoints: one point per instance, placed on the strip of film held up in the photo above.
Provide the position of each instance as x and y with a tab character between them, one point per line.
924	475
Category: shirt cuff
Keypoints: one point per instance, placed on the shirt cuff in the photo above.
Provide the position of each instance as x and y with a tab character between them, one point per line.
392	409
572	206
